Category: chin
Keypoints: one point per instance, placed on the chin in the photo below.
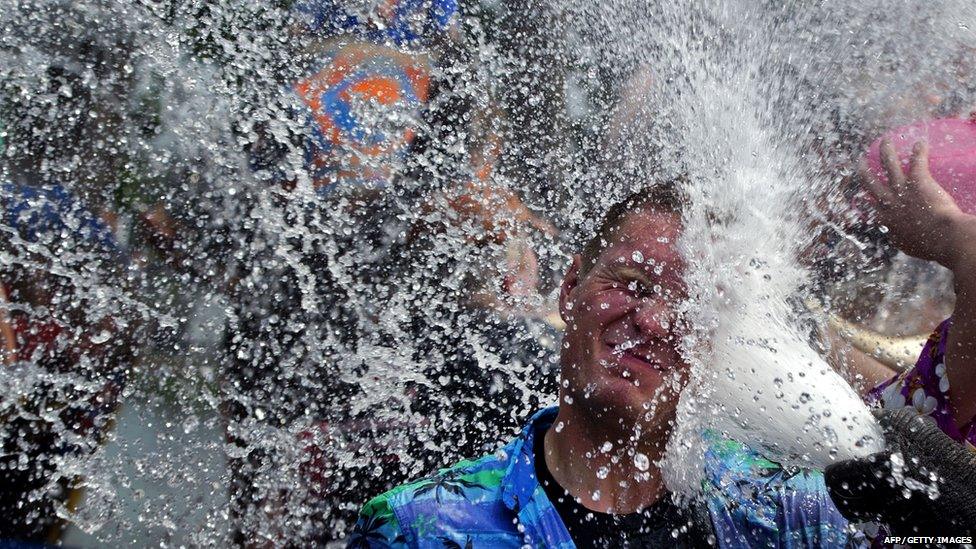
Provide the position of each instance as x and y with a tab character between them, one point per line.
616	398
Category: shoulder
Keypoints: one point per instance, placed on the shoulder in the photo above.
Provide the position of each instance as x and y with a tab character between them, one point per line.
446	506
377	525
468	480
758	501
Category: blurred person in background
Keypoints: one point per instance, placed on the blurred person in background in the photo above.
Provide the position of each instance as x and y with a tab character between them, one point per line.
485	332
66	283
889	299
366	140
66	350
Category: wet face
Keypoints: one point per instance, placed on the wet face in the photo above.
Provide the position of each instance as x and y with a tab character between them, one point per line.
620	358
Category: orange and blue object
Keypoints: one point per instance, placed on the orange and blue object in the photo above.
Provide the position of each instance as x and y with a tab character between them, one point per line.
362	107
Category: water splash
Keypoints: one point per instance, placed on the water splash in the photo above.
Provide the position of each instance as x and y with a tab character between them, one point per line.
345	334
744	100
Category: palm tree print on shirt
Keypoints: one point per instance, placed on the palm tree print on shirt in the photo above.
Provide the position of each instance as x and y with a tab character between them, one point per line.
454	484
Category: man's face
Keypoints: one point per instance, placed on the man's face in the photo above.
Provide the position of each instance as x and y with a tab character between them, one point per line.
620	357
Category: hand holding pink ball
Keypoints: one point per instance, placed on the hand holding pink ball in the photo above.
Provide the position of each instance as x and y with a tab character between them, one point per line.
929	210
952	155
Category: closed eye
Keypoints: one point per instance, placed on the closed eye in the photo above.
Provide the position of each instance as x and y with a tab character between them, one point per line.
637	281
639	288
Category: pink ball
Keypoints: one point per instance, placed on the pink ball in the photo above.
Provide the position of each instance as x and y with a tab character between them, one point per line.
952	155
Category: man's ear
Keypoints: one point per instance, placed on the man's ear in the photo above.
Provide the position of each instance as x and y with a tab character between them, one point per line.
570	280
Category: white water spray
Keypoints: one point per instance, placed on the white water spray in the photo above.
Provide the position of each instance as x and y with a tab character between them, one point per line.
757	102
756	377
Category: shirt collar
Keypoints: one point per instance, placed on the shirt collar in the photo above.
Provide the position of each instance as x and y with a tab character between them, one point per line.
520	482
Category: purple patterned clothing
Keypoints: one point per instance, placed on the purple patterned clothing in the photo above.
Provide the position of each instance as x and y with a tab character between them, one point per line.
925	388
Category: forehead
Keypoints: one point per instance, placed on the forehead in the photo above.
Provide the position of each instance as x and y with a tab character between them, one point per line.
645	236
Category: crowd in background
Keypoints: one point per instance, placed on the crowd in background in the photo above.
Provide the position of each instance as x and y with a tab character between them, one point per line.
376	147
378	120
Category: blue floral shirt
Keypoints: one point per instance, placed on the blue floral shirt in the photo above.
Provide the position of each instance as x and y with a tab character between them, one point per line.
496	501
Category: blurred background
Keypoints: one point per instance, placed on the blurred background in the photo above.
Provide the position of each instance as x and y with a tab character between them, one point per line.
261	261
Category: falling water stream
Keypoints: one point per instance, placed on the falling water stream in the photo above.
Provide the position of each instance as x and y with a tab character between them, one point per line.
287	325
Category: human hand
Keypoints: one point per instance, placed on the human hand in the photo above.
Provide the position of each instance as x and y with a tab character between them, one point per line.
497	213
521	271
922	219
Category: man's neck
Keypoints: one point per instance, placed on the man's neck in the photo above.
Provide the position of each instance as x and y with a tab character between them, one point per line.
616	478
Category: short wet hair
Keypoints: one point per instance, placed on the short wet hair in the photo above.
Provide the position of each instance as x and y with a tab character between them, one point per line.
666	197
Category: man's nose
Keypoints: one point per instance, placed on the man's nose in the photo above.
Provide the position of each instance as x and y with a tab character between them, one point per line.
654	318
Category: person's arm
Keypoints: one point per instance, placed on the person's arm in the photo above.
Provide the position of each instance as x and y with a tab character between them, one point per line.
8	342
924	221
923	482
961	343
860	369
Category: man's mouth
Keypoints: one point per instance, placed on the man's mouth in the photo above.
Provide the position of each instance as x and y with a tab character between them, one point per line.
638	355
